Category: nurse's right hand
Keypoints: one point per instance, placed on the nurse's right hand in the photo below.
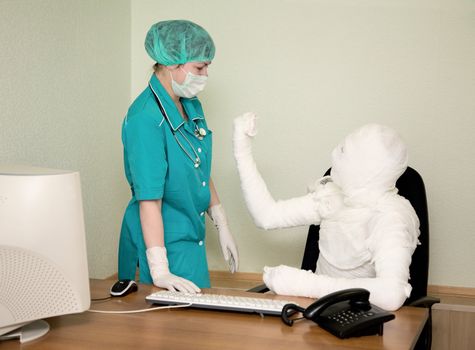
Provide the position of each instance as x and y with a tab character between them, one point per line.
161	275
172	282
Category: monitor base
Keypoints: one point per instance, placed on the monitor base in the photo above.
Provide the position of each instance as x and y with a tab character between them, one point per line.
28	332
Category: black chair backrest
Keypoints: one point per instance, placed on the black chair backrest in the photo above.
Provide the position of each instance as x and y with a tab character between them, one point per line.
411	186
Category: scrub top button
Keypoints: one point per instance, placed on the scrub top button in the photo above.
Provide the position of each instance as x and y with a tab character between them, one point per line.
204	183
202	213
200	242
199	150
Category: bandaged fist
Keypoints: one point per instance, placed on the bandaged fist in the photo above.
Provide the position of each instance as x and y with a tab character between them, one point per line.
245	125
286	280
328	197
282	279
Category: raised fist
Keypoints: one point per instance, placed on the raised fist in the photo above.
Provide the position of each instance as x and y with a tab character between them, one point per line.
245	124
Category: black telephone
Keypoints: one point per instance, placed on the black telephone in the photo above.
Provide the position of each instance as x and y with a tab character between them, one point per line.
346	313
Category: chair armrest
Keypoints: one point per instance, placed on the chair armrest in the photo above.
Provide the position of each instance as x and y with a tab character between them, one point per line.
259	289
425	339
426	302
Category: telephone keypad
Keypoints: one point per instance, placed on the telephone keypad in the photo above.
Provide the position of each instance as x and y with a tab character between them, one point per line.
351	318
347	317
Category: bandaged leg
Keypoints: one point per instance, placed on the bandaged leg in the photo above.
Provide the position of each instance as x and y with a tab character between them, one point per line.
266	212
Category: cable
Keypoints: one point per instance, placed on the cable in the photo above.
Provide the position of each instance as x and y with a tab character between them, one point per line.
140	310
101	299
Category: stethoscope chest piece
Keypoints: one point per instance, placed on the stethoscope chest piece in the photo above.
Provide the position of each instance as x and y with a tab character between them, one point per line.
200	133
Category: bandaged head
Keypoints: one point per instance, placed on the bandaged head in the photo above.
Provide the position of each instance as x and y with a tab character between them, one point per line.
369	161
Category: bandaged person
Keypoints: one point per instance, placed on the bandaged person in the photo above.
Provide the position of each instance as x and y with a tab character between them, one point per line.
368	232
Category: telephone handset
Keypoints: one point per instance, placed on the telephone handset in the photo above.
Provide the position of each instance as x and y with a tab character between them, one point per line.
346	313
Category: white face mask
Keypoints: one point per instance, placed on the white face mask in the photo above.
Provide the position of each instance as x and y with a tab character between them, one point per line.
192	85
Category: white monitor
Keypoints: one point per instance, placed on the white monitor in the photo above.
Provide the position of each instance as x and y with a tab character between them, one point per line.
43	259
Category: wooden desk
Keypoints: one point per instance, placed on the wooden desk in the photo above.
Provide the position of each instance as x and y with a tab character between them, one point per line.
191	329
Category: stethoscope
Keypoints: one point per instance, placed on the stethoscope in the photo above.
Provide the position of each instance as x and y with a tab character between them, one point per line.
199	133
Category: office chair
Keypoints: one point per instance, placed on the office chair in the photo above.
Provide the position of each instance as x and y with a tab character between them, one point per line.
411	186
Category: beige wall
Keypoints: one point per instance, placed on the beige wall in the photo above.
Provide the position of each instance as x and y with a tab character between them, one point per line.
313	71
64	88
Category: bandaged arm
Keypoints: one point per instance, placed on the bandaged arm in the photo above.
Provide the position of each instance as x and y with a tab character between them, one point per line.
392	251
266	212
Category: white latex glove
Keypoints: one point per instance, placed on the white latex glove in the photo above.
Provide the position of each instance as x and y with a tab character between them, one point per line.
161	275
226	240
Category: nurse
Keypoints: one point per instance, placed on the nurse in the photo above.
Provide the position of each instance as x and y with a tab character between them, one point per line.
167	160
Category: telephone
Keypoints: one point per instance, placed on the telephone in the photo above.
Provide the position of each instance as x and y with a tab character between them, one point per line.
346	313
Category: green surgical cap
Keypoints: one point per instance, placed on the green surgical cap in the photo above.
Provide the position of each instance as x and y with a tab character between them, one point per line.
179	42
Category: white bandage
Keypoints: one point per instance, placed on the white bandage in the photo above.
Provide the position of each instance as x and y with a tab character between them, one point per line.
387	293
266	212
368	233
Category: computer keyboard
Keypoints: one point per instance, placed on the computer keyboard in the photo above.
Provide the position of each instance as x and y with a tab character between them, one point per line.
219	302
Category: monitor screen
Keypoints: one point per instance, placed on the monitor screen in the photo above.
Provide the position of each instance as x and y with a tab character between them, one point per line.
43	259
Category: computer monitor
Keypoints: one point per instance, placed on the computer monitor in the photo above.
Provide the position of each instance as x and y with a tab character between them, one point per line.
43	259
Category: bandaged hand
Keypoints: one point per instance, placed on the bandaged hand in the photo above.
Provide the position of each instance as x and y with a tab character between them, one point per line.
387	293
286	280
161	275
245	129
245	125
226	240
264	209
328	197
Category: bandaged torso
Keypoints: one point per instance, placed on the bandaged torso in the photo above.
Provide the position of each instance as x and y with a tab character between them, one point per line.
343	244
348	233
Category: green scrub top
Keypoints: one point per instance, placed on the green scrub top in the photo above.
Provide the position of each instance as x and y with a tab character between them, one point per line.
157	167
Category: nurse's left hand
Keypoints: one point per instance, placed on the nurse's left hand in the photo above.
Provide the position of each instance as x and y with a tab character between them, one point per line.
226	240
